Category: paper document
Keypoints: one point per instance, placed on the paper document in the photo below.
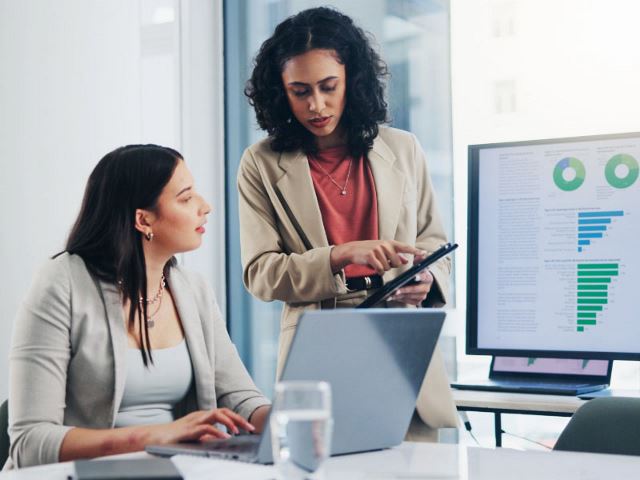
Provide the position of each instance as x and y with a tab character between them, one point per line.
196	468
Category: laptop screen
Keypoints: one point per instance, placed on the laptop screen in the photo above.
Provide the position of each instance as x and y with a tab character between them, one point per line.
553	366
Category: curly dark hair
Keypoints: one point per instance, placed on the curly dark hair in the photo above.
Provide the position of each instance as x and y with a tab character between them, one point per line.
319	28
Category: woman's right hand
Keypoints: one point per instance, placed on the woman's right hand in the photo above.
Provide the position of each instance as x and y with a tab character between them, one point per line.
381	255
198	426
90	443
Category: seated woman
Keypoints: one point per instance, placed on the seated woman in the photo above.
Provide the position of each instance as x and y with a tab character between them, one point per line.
116	346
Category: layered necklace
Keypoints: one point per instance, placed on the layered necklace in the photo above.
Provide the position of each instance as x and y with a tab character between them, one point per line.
343	188
157	298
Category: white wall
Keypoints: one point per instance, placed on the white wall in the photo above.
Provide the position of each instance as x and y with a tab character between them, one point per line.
523	70
79	78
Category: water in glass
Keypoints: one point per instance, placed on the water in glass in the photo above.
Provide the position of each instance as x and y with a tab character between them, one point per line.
301	428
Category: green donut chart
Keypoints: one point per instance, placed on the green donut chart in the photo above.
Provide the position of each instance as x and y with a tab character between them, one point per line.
631	176
569	185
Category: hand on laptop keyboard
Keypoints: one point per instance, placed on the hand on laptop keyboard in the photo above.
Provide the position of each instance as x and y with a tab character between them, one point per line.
198	426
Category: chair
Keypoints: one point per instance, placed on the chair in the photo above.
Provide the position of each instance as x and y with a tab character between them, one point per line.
604	425
4	435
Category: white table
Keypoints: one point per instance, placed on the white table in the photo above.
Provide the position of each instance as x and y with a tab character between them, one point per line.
418	461
515	403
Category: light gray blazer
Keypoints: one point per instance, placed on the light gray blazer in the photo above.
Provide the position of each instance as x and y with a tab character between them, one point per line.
67	361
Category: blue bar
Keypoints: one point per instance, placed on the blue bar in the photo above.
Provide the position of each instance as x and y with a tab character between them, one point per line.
594	228
584	242
590	235
579	249
614	213
593	221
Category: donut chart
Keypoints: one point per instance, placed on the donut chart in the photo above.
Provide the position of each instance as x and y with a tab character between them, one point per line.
631	174
558	174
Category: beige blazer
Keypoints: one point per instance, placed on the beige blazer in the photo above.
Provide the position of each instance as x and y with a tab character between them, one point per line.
285	252
67	362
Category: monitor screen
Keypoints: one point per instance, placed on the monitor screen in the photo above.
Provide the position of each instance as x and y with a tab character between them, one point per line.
554	251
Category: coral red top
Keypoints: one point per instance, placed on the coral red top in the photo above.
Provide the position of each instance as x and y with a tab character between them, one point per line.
349	217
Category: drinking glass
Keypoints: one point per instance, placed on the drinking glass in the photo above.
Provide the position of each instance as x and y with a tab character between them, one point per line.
301	428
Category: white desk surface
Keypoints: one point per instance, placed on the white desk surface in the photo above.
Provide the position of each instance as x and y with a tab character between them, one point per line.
410	461
516	401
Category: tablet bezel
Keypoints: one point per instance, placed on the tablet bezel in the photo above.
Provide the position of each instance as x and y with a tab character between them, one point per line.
401	280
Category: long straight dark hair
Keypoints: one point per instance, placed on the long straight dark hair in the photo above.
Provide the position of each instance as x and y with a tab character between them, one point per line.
104	233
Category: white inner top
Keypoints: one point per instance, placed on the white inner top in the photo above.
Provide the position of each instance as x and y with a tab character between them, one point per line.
151	393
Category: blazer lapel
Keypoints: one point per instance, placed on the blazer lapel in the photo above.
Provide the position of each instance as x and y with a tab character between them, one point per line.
190	318
299	194
390	185
296	188
115	318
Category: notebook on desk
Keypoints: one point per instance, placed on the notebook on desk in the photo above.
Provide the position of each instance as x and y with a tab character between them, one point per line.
553	376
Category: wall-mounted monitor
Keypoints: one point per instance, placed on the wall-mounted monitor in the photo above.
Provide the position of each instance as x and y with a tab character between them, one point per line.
554	248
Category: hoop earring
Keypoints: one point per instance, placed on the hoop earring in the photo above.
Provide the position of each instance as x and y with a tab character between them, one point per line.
149	236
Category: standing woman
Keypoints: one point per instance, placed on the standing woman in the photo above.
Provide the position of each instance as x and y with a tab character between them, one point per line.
116	346
331	202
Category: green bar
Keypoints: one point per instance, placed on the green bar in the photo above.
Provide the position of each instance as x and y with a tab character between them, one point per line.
606	266
593	294
586	322
590	308
587	315
611	273
593	301
593	287
580	329
594	280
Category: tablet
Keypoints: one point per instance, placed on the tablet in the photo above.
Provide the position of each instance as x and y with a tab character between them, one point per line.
401	280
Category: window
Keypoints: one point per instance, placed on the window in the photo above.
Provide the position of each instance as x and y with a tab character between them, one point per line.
525	70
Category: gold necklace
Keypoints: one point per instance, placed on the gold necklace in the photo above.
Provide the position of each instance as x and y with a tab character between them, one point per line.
156	298
158	294
343	189
150	321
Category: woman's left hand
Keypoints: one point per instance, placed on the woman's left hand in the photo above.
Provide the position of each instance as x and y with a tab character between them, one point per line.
415	294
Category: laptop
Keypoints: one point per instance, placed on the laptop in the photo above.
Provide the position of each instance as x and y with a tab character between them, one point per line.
375	361
553	376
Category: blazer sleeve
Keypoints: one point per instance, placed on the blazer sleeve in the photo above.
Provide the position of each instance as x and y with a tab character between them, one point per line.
234	387
269	271
430	232
38	361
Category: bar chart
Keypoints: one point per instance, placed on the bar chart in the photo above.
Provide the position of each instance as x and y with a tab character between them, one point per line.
593	225
594	280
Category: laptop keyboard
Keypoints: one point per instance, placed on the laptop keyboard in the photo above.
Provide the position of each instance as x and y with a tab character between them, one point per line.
544	385
237	444
552	388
